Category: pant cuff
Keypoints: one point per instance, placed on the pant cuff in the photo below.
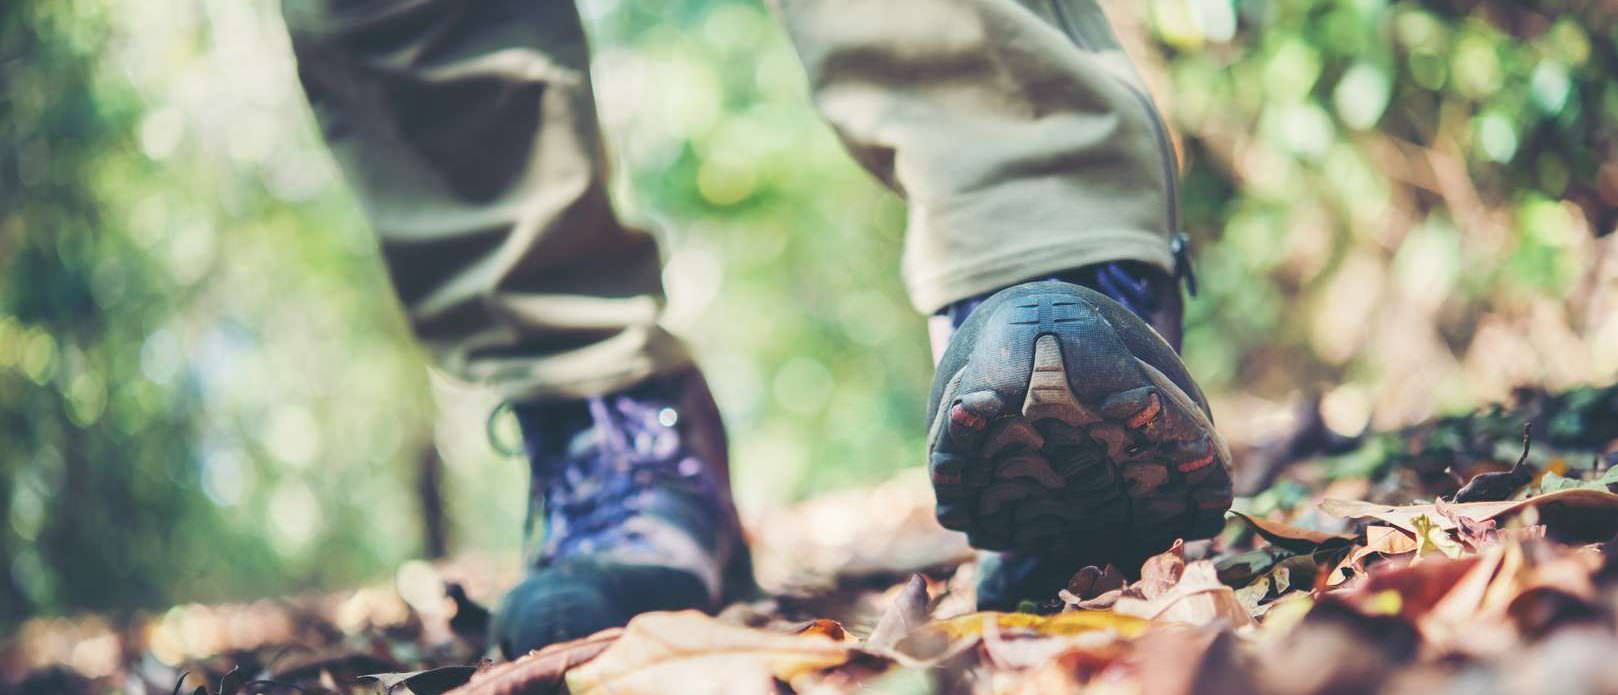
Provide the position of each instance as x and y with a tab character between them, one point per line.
933	291
623	361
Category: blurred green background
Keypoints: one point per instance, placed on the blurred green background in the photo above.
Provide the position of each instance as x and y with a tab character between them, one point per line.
207	391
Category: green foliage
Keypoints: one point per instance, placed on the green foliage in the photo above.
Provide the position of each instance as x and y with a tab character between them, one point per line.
177	421
1336	149
81	444
206	389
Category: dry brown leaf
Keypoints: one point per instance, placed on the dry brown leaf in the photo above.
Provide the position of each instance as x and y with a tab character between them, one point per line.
1052	676
1160	572
1386	540
1336	649
1243	568
1197	599
1581	514
1293	538
539	668
907	612
1417	587
1090	582
1187	661
1495	573
1030	651
689	652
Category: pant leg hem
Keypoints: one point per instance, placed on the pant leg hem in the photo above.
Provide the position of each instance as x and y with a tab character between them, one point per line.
575	376
934	291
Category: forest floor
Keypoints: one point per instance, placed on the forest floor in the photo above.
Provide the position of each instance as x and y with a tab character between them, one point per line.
1452	556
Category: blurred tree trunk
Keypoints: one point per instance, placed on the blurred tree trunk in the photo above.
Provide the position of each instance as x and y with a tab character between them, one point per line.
430	497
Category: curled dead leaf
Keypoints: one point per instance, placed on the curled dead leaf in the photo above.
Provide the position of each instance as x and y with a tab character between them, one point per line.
1293	538
539	669
690	652
1197	598
1574	516
907	612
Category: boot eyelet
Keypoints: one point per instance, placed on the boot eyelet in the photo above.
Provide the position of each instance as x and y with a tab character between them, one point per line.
690	467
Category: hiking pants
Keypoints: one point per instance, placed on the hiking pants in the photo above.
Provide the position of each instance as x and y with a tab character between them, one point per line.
1019	135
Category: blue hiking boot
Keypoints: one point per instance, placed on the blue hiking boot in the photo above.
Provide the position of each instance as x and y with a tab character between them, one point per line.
631	491
1066	432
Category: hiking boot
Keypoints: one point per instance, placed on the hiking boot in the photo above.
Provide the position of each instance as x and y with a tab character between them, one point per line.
631	491
1066	432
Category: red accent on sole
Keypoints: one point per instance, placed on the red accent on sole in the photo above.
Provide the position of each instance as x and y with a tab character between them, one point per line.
1195	464
1147	414
965	418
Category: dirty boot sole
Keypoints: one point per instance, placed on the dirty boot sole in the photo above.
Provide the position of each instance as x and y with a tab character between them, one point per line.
1058	429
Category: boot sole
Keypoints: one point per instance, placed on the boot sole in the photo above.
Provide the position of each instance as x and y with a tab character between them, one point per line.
1116	474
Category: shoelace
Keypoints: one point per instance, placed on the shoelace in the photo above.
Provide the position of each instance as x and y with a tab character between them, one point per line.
608	473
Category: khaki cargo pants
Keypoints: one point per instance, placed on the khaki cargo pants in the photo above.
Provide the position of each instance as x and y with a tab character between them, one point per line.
1017	132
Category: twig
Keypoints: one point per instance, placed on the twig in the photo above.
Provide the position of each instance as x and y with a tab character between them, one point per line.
1527	443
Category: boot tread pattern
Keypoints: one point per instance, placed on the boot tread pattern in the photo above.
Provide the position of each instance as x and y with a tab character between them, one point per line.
1104	477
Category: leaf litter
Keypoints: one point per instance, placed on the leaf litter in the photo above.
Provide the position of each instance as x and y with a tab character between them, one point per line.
1406	590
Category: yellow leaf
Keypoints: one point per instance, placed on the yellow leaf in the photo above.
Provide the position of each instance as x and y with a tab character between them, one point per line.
1431	537
1061	624
1385	602
691	653
1285	613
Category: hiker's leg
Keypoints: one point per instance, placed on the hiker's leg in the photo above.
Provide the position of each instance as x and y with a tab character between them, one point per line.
1064	431
468	131
1016	130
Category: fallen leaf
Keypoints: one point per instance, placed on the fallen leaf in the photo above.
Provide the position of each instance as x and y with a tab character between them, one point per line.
429	682
1413	588
1161	572
539	669
690	652
1070	623
1192	661
1430	538
1387	540
1251	595
1480	594
1282	614
1335	649
1092	581
1298	540
1487	487
907	612
1241	570
1197	598
1606	481
1579	515
823	627
1026	651
1539	611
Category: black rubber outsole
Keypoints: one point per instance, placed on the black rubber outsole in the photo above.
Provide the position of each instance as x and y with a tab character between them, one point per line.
1055	438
